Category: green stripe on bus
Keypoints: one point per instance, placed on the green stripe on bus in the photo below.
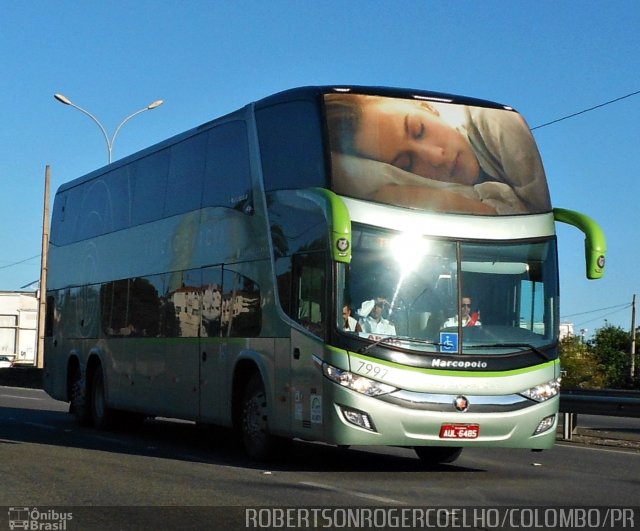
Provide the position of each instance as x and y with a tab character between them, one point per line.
445	372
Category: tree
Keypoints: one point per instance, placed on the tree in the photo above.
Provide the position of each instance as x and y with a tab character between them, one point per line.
611	346
580	367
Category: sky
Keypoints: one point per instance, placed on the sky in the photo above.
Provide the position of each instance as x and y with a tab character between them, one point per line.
548	59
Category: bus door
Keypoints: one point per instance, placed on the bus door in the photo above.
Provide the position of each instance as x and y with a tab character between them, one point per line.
309	294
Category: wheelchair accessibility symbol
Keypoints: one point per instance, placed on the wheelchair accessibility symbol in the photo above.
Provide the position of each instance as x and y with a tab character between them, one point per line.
448	342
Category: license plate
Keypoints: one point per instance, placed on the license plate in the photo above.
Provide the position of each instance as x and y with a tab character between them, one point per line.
459	431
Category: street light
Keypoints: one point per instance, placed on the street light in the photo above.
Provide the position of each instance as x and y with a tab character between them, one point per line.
63	99
583	331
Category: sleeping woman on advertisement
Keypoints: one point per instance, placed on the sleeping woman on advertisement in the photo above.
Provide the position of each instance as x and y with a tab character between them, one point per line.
434	156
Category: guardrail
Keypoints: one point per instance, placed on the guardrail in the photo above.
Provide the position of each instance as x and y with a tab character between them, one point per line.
609	402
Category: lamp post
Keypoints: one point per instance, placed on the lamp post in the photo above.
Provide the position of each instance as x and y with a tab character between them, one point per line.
583	331
63	99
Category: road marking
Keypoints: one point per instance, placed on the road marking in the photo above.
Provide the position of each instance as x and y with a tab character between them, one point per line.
38	425
104	438
352	492
627	450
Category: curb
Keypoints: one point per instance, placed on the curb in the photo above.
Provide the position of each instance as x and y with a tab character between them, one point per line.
591	437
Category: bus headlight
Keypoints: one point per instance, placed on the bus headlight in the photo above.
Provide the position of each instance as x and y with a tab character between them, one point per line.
355	382
545	424
357	418
544	391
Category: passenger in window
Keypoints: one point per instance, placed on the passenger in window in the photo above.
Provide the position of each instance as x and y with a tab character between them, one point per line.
467	317
486	164
372	320
350	323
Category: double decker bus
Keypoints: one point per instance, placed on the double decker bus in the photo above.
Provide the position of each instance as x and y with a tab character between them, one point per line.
351	265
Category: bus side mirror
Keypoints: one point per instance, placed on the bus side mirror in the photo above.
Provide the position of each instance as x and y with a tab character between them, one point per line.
595	261
595	243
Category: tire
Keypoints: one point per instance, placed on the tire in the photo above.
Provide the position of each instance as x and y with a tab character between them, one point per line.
437	455
78	403
257	440
101	415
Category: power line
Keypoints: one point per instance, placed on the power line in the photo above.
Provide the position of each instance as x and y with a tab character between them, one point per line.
617	306
615	309
586	110
20	261
578	325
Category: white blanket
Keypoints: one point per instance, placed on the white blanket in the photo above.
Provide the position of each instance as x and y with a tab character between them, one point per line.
363	178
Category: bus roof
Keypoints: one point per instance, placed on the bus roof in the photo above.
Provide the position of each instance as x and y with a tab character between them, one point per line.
305	93
310	92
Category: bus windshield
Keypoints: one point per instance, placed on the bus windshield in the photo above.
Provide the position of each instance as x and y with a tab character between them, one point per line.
449	296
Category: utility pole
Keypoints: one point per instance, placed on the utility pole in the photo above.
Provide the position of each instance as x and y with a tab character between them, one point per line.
633	340
42	300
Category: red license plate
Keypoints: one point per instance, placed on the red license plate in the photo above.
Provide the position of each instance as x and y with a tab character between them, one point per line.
459	431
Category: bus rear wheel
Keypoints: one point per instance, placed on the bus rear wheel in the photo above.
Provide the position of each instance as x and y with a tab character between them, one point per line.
258	442
102	415
78	404
437	455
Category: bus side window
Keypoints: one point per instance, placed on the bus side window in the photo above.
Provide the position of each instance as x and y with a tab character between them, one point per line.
145	305
114	301
227	178
211	301
186	173
241	306
291	145
148	178
309	283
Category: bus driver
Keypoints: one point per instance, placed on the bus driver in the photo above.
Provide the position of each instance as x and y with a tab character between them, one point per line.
467	318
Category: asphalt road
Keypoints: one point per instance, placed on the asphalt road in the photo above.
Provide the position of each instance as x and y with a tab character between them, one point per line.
170	474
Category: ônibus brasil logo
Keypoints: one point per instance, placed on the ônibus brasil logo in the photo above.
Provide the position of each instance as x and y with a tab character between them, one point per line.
38	520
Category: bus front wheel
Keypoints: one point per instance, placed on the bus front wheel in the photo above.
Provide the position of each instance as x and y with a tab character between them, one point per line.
437	455
258	442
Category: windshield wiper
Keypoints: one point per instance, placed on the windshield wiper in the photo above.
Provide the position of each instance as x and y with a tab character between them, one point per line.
363	350
536	350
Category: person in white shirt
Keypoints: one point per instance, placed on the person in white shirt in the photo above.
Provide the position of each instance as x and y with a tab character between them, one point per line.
373	321
467	318
350	323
